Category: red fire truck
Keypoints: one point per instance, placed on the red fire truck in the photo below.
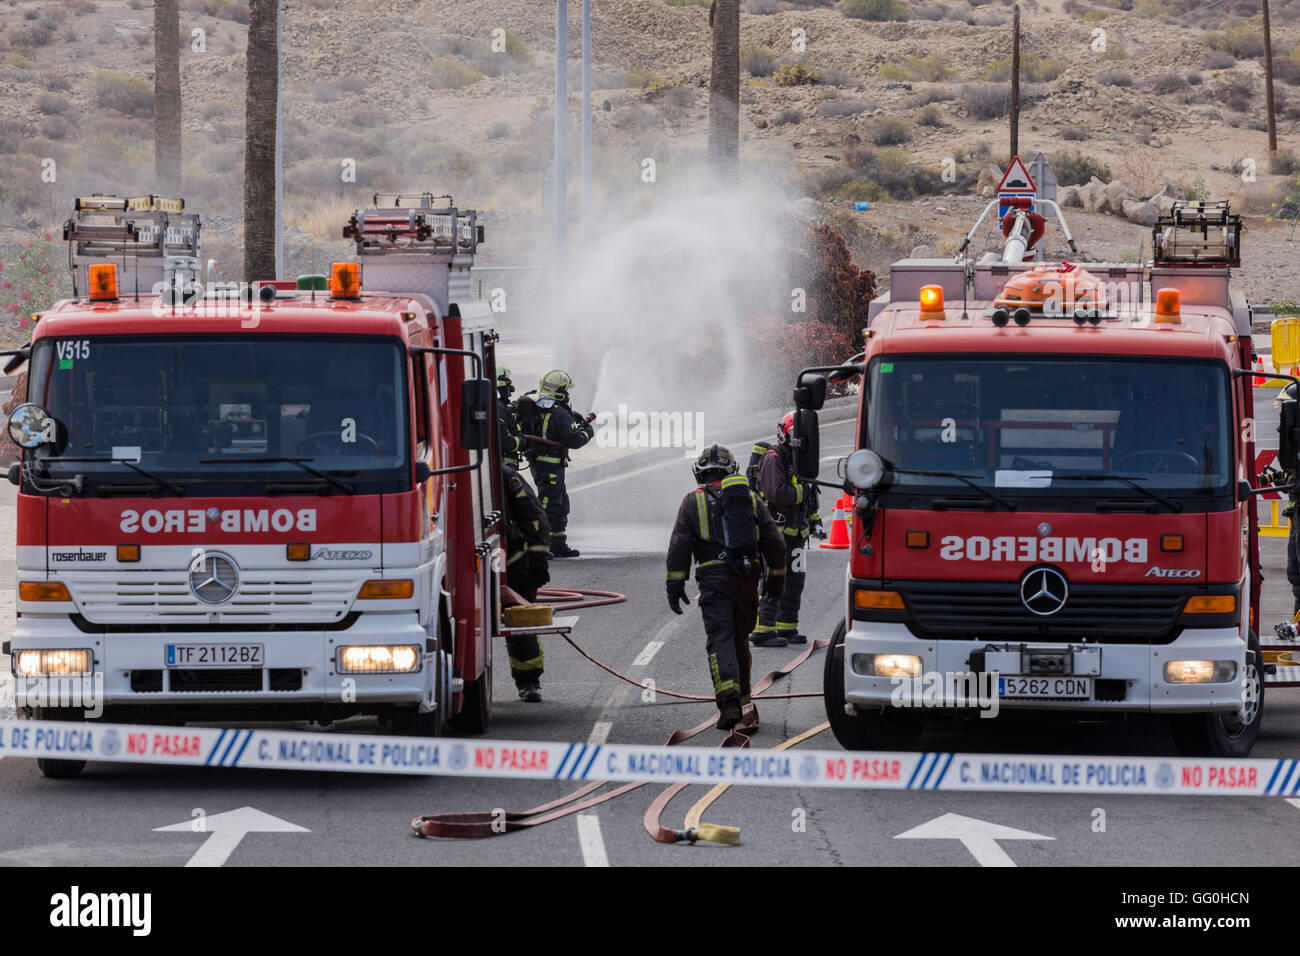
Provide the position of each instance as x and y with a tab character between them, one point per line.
1053	493
276	502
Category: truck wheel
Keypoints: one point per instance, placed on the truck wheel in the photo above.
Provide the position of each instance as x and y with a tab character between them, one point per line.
882	729
59	769
410	722
1224	735
476	713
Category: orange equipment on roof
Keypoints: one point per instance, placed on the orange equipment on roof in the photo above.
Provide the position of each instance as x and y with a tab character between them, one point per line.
1067	287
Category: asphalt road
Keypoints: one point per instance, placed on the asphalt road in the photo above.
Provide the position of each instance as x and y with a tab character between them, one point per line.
110	816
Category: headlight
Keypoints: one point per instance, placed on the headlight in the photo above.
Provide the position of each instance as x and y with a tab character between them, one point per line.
1200	672
52	663
892	665
379	659
864	469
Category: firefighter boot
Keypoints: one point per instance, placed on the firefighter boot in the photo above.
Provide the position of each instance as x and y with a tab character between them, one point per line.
560	547
530	692
729	714
767	637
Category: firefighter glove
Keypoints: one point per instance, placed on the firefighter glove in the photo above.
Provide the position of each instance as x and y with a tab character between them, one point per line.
818	531
677	596
774	585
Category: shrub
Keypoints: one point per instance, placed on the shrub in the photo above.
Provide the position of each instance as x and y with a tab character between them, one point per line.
127	94
52	103
762	8
929	11
448	73
889	131
787	117
498	130
55	127
1073	168
1167	83
1235	91
757	60
1114	78
1034	68
1114	51
932	68
795	74
1286	70
930	116
1244	42
992	18
986	101
1074	134
55	82
838	108
837	78
936	94
1194	78
877	10
893	73
639	79
860	190
1218	60
1283	163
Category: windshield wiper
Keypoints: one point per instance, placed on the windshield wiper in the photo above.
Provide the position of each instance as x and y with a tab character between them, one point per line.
343	486
1131	482
966	479
158	480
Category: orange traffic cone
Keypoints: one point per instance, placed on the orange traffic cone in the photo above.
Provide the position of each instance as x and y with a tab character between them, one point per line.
839	539
1259	367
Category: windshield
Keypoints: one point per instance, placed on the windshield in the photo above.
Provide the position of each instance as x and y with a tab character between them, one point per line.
195	409
1053	426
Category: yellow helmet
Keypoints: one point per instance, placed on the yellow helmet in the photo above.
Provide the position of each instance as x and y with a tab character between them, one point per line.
556	384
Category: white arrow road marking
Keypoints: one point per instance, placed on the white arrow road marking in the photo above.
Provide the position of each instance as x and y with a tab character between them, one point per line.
592	843
226	830
978	836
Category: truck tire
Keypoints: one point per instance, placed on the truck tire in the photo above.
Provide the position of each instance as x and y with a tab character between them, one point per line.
1224	735
882	729
476	708
59	769
411	722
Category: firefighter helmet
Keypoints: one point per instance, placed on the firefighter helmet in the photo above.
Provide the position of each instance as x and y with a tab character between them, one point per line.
1285	395
503	375
556	384
716	459
784	429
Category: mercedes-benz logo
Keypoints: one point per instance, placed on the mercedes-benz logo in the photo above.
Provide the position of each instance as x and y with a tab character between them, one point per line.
214	578
1043	591
1044	530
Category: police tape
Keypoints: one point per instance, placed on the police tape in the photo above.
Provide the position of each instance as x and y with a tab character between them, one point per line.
538	760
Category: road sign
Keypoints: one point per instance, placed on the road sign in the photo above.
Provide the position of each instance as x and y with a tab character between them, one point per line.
1016	181
1041	172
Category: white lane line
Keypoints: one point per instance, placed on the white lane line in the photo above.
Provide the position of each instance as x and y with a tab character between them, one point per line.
647	654
592	843
600	732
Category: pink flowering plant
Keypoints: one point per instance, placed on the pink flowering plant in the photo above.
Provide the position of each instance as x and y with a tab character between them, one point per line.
33	276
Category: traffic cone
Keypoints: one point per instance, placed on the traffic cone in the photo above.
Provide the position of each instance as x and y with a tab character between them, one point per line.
1259	367
839	539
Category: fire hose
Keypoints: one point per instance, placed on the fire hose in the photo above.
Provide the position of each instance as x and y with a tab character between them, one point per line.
480	824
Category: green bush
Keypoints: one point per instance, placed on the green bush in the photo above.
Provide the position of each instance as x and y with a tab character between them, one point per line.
122	92
986	101
933	68
930	116
877	10
889	131
757	60
448	73
1034	68
1073	168
893	73
1245	42
795	74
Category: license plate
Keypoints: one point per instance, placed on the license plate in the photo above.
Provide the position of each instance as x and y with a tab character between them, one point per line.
214	655
1071	688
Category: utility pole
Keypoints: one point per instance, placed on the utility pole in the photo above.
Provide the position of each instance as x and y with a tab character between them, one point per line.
280	264
560	183
1015	84
1268	82
586	113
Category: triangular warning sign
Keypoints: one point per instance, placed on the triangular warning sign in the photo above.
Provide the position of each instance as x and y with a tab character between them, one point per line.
1016	178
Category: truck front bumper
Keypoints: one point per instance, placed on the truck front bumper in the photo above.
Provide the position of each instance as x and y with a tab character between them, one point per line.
299	666
1136	670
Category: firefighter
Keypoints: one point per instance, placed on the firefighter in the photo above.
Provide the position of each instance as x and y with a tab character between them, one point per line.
510	435
1292	514
550	418
726	529
527	541
794	507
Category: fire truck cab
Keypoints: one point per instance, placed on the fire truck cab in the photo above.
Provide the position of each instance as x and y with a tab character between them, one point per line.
1054	495
274	503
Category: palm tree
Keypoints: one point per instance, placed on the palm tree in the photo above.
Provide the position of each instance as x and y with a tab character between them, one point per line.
262	85
167	96
724	90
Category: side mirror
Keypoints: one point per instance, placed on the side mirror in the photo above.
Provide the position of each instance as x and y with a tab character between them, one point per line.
31	426
1288	436
810	392
807	442
422	472
476	413
17	358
